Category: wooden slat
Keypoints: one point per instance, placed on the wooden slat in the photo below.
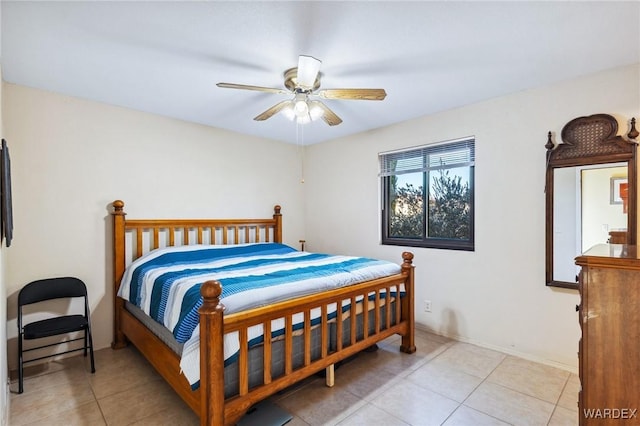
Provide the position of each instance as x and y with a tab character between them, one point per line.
267	352
323	332
235	234
246	234
156	238
376	316
365	316
307	337
243	362
185	236
354	317
139	242
387	311
288	344
199	234
225	232
339	326
397	304
172	237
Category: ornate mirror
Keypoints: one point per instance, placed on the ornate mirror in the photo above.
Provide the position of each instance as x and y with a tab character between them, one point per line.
591	191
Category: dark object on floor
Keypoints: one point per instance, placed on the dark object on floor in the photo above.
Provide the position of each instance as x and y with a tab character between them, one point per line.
371	348
265	413
48	289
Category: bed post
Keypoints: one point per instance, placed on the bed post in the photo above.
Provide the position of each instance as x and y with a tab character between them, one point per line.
277	232
119	340
408	304
211	355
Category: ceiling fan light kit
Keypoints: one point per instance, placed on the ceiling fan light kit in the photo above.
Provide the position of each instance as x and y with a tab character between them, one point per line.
303	110
303	83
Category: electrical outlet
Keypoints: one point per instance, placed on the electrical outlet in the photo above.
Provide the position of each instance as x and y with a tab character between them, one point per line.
427	305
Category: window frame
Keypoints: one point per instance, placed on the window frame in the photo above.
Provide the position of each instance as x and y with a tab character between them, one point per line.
426	241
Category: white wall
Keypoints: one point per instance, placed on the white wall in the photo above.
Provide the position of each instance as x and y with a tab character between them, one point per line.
598	215
71	158
495	296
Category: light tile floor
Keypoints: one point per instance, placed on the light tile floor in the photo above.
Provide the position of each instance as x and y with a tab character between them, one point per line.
444	383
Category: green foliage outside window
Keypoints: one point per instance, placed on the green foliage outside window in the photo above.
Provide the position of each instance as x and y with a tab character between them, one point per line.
449	211
446	220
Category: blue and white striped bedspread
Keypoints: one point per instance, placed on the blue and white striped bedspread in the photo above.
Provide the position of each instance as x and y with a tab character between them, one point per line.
165	284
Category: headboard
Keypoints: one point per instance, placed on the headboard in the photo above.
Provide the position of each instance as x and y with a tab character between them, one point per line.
133	238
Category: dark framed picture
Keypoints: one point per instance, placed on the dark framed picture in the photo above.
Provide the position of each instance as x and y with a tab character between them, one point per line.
6	208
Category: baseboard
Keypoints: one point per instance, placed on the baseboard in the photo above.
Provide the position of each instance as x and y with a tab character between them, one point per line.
509	351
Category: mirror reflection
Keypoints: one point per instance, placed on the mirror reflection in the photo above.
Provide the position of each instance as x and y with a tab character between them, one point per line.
588	210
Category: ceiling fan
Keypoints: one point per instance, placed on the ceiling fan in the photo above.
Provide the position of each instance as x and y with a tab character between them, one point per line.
303	83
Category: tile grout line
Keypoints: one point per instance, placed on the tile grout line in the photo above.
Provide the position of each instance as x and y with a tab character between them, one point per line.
423	363
403	377
520	392
558	400
95	398
474	389
480	384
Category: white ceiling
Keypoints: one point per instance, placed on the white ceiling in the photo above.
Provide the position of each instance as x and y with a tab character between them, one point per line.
165	57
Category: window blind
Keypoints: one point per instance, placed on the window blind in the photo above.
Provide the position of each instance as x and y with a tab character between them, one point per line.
428	157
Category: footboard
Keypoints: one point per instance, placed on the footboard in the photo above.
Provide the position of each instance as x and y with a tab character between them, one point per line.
216	410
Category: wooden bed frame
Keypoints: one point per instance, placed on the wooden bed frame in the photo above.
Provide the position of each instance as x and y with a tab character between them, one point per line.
133	238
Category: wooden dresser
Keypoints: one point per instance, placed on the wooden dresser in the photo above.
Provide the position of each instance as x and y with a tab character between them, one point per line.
609	350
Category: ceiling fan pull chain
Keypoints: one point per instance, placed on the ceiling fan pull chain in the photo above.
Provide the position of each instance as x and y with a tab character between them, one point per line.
300	143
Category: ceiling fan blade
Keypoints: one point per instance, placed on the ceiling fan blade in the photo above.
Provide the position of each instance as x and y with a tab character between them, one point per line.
256	88
273	110
328	116
359	94
308	69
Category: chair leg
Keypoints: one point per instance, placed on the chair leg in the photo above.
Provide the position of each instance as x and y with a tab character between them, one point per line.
20	365
86	332
93	364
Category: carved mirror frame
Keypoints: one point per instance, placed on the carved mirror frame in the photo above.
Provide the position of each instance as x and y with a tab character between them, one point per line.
588	141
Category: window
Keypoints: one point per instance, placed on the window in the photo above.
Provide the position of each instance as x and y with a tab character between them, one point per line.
442	174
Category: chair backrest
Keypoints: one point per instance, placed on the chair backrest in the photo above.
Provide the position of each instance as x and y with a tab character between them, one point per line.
51	288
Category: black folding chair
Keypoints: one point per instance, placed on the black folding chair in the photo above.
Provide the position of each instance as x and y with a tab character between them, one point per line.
48	289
